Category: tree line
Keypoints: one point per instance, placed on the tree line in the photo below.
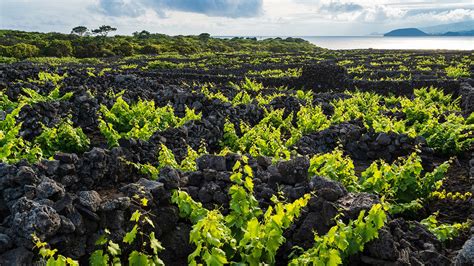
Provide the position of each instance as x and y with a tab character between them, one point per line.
96	43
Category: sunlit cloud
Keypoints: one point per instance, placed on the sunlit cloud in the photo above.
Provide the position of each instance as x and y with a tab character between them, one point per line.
234	17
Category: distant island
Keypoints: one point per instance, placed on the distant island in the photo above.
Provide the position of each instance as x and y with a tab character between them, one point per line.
406	32
453	29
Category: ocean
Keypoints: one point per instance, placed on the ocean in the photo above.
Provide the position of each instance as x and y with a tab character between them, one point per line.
380	42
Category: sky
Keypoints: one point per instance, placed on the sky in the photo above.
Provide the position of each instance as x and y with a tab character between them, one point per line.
234	17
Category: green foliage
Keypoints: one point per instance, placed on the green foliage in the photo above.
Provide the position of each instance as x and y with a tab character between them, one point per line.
22	50
451	136
362	105
189	162
428	103
166	159
63	137
470	119
431	114
205	89
129	66
59	48
433	96
21	44
124	49
34	97
55	61
241	97
248	85
444	231
7	60
139	120
243	236
103	30
343	240
265	138
311	119
158	64
402	181
458	71
79	30
13	147
44	77
276	73
5	102
383	123
50	256
454	196
111	252
335	166
345	62
307	96
408	207
267	99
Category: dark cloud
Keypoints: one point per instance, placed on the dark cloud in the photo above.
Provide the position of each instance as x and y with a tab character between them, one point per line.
336	7
214	8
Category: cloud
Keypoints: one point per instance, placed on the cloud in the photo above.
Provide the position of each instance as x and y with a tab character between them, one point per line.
401	12
444	16
118	8
270	17
381	13
212	8
340	7
359	12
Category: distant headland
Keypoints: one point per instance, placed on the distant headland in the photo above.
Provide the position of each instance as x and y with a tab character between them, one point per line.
453	29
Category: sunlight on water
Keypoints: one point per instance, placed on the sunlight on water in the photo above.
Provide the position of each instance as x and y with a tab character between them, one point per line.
378	42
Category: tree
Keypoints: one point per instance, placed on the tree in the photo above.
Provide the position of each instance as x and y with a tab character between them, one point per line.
204	36
124	49
142	34
152	49
79	30
104	30
59	48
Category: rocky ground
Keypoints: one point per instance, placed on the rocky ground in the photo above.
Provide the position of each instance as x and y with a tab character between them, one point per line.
70	199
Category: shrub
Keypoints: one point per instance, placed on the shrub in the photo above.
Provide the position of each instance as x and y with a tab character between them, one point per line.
444	231
124	49
335	166
139	120
89	49
7	60
4	51
59	48
64	60
152	49
63	137
344	240
23	50
50	256
458	71
404	180
163	65
13	147
246	235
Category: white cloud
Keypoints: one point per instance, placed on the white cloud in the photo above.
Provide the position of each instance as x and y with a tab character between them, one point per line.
446	16
272	17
